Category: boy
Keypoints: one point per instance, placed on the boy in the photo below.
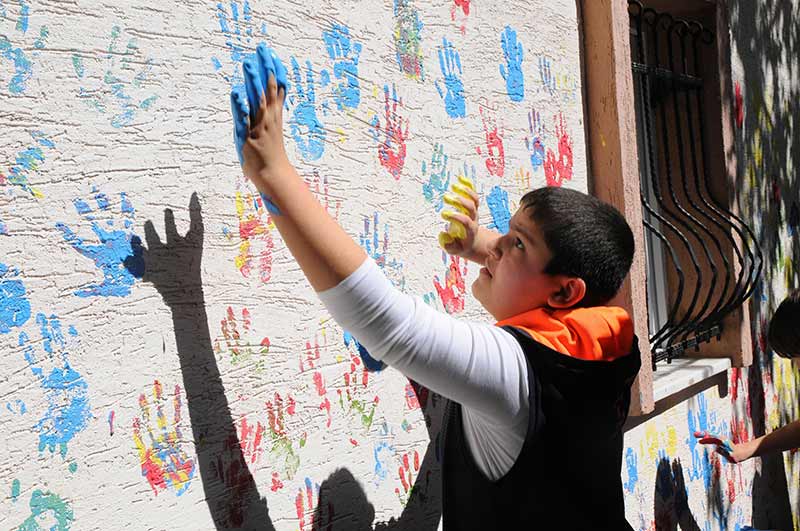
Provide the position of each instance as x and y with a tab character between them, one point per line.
533	436
784	338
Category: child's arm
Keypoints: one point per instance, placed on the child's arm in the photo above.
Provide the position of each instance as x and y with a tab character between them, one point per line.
325	253
480	366
780	440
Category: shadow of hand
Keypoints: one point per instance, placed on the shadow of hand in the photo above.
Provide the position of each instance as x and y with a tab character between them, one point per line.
173	266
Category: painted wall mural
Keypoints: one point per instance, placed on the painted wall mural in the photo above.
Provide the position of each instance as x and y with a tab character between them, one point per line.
159	343
166	363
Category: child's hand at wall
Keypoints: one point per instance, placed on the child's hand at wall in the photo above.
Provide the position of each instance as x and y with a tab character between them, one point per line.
258	124
462	229
733	453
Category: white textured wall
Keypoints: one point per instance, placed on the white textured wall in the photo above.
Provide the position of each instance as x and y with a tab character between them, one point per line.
113	112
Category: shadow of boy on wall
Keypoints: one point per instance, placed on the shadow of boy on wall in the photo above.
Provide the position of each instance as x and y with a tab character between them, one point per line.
173	266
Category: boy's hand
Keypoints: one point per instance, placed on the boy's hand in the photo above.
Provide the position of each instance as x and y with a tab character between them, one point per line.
733	453
462	230
258	124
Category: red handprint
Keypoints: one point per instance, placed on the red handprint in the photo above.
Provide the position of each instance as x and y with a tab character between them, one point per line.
323	194
241	349
282	445
558	170
392	150
309	361
463	6
495	154
454	289
407	470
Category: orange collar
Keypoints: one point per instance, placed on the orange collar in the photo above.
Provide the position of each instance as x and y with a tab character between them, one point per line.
600	333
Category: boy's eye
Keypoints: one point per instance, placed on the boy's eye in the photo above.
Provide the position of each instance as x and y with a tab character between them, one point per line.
518	244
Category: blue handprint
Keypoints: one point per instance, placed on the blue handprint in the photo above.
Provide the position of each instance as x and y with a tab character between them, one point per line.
27	161
117	81
450	66
23	64
305	126
633	472
378	248
238	31
345	56
535	143
438	178
118	255
498	207
546	74
512	70
66	391
15	309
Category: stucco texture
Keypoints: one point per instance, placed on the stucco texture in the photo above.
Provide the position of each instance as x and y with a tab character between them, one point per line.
165	364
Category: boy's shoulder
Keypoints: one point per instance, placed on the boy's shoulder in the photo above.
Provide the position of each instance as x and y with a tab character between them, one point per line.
599	333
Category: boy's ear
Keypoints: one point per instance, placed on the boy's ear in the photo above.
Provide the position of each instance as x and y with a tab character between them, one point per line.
573	290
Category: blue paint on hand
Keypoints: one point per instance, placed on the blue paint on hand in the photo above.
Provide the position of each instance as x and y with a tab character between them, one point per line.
68	411
117	254
345	54
272	208
305	126
15	309
254	87
512	70
450	66
498	207
240	122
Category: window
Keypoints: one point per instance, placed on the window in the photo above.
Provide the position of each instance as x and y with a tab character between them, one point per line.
702	263
659	119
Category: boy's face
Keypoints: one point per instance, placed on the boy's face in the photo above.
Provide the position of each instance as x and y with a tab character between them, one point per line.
513	280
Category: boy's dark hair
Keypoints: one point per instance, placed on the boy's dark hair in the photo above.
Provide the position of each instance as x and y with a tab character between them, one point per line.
588	238
784	327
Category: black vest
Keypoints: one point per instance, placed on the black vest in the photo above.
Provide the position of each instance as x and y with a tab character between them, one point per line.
567	476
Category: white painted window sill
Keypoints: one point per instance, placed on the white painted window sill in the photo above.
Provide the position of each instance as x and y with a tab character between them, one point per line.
672	378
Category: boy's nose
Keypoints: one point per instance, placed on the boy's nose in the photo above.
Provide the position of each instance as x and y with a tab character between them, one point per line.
495	250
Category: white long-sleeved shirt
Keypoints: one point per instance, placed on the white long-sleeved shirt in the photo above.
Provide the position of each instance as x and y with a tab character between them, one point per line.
480	366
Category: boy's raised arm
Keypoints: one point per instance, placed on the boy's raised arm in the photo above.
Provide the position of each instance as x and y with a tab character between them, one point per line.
324	251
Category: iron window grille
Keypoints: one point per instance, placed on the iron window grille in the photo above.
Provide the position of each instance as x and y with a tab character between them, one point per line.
692	254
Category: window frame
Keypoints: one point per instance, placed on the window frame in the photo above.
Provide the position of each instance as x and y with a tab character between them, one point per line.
608	87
